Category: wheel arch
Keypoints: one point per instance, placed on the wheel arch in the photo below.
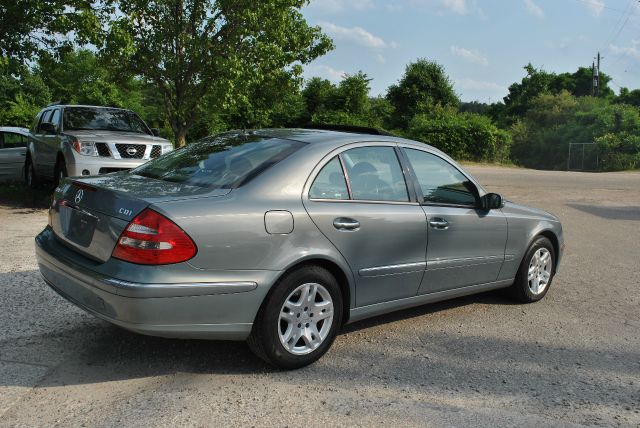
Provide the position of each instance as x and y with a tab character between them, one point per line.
551	236
342	274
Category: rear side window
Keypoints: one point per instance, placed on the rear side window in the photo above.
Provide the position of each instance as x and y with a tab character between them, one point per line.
55	119
221	162
375	174
12	141
441	182
330	182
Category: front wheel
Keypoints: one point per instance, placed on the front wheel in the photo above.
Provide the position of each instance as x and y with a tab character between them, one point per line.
60	172
30	178
299	319
536	272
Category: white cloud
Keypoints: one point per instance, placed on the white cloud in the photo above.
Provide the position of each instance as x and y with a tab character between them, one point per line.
325	71
380	58
455	6
630	51
470	55
596	7
339	6
357	35
478	85
533	9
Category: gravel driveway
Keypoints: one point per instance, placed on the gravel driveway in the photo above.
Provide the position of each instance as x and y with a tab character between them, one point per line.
573	358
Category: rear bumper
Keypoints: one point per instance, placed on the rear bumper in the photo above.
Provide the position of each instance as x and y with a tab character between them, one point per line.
207	310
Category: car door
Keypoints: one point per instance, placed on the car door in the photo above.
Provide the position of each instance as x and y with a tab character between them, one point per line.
45	144
360	201
466	244
12	155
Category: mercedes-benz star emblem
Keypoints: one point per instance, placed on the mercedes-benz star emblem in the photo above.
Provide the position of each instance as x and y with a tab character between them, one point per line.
131	151
79	195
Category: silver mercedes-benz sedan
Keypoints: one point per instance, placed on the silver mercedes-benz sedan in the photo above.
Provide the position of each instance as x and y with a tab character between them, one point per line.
282	236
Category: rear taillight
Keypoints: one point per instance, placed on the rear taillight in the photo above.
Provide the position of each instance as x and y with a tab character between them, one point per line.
153	239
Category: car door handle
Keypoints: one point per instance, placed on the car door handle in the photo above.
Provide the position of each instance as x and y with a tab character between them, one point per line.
343	223
439	223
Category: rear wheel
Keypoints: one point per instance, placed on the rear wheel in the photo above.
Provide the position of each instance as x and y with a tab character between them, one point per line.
60	172
536	272
299	319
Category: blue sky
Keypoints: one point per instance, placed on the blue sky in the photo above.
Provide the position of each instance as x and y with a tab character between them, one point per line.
483	44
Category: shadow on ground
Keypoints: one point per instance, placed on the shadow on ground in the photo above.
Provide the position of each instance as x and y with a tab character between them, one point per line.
92	351
609	212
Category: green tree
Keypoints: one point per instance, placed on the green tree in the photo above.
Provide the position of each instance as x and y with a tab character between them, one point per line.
189	48
28	27
423	87
22	93
629	97
319	95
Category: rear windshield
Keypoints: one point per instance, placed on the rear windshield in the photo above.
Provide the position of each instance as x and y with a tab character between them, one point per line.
103	119
221	162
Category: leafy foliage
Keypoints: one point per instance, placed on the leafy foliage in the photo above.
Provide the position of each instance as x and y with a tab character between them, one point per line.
191	48
541	138
464	136
423	87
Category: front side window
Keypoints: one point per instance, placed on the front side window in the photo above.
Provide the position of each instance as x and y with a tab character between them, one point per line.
441	182
375	174
330	182
220	162
102	119
46	115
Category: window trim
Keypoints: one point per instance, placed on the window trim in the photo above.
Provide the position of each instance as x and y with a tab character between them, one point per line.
337	152
416	184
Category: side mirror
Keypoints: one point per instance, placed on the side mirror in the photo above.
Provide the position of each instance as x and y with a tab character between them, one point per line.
47	128
491	201
155	132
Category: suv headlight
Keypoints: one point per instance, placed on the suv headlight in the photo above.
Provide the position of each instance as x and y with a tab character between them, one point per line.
166	148
85	148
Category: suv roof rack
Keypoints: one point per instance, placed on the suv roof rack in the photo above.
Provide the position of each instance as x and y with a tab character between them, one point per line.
349	128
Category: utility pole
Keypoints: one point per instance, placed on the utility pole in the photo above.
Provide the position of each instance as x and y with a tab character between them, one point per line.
598	76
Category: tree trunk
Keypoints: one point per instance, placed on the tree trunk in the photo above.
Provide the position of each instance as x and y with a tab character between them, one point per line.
181	136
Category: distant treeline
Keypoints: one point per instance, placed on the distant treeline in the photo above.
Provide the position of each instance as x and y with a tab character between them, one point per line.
200	67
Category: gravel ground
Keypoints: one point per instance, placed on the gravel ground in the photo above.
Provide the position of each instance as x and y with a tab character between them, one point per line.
573	358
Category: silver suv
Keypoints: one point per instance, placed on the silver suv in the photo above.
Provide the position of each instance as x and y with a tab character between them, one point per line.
74	140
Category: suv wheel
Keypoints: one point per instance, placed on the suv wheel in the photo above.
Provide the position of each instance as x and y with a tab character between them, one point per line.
30	178
60	172
299	319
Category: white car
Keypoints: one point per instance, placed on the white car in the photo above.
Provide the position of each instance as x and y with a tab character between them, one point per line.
13	148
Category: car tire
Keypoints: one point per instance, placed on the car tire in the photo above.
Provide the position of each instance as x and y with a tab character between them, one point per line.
30	177
60	172
292	331
536	271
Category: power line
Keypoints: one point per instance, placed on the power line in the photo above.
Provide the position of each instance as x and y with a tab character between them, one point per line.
595	3
624	19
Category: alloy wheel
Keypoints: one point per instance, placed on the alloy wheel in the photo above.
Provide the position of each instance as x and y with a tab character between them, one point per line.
305	318
540	269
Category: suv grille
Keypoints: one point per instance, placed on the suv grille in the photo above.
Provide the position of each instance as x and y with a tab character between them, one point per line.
131	151
156	151
103	150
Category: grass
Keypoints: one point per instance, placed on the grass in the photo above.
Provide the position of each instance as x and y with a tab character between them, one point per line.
20	196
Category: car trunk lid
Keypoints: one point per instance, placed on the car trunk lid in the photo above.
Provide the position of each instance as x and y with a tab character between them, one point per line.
89	214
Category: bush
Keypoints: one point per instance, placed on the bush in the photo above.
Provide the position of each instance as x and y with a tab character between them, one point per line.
619	151
463	136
